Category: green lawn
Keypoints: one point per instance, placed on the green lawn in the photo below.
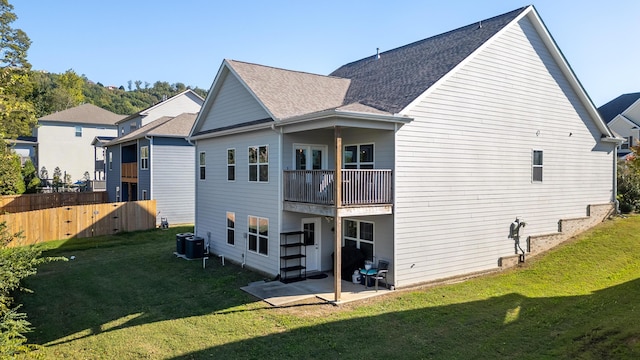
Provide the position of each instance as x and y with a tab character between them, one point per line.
128	297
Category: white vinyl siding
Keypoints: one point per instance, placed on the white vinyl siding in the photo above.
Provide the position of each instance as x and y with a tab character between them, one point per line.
463	170
217	196
233	105
173	181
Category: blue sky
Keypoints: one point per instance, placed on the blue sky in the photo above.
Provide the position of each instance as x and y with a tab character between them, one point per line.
186	40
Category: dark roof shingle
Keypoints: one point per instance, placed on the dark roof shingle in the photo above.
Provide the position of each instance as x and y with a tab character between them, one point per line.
398	76
617	106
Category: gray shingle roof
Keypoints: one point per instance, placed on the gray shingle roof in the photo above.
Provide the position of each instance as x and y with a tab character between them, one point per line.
399	76
287	93
166	126
617	106
84	114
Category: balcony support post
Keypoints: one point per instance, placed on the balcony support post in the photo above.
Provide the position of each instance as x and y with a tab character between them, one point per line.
337	261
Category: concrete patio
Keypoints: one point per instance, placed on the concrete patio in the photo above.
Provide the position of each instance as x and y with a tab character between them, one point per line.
278	293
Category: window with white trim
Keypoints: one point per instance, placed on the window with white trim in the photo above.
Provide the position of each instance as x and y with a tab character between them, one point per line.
537	163
202	164
258	237
628	143
231	164
259	163
231	228
78	131
358	156
359	234
110	160
144	158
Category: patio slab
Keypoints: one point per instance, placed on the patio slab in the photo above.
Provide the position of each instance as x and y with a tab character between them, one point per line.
277	293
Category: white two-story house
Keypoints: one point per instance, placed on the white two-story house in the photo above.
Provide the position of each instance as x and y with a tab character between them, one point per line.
422	156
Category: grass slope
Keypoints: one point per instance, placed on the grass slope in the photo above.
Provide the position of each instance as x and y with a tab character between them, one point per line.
128	297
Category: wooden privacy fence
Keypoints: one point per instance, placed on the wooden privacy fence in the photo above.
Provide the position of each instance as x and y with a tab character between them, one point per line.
30	202
81	221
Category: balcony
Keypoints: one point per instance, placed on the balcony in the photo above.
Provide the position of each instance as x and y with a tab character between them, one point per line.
130	172
363	192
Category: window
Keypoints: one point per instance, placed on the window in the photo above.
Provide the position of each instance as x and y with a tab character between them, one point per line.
144	195
231	228
202	162
117	193
359	234
358	156
259	235
231	164
110	160
78	131
259	163
144	158
132	127
628	143
537	166
122	131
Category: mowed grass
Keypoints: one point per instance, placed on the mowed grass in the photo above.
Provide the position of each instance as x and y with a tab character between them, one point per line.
128	297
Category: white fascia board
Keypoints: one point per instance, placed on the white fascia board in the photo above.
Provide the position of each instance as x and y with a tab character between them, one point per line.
238	130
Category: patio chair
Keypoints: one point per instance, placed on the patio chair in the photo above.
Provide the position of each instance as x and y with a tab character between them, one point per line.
381	274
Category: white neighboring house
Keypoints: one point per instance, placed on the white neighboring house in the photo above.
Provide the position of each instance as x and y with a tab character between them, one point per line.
65	139
185	102
436	146
622	114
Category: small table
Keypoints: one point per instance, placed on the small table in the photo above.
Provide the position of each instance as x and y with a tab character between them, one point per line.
366	274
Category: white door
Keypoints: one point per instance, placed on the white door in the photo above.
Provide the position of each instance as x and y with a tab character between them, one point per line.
311	237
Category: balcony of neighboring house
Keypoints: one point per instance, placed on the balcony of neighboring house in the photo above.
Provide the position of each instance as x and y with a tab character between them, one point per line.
130	172
364	192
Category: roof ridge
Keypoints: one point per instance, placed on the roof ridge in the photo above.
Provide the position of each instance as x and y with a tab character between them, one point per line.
283	69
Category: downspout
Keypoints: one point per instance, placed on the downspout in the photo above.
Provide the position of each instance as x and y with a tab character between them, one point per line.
195	183
280	184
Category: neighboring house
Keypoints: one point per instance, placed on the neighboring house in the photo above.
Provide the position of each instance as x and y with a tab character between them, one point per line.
26	147
622	114
185	102
65	139
433	150
99	154
153	162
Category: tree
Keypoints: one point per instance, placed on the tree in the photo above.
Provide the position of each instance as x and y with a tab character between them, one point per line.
30	177
10	172
44	174
16	263
72	85
17	115
129	85
57	177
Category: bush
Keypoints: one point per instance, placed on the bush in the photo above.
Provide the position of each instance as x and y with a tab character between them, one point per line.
628	187
16	263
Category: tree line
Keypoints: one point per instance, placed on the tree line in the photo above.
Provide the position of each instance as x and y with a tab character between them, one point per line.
56	92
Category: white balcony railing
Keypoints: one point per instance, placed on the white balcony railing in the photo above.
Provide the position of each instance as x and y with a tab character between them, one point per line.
359	187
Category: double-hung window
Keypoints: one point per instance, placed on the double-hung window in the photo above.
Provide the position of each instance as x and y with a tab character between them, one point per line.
144	158
231	228
78	131
358	156
110	160
258	235
259	163
202	165
359	234
231	164
537	163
